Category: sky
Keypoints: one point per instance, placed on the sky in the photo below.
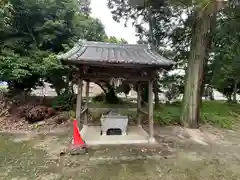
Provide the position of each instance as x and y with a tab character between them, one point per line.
112	28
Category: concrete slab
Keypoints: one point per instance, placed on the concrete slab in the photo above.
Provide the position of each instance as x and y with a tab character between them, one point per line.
135	135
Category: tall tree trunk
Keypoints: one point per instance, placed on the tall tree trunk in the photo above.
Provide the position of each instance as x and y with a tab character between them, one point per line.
196	60
213	20
153	46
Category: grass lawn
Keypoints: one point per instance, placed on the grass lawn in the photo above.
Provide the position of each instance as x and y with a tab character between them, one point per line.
217	113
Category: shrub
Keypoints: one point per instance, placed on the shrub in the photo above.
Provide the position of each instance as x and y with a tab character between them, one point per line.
109	98
64	101
3	92
99	98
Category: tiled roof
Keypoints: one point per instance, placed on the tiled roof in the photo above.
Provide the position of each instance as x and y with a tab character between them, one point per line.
101	52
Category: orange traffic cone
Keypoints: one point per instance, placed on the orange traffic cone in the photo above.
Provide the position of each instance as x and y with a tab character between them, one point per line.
78	145
77	139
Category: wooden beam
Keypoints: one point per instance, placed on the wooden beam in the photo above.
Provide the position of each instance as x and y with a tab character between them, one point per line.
86	103
105	73
79	101
150	111
107	77
84	111
143	112
107	64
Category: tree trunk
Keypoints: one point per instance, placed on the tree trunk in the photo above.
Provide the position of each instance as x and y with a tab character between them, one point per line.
235	92
58	91
196	60
155	91
110	93
144	94
101	86
213	20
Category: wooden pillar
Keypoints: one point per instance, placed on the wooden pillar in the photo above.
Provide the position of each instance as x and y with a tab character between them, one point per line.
86	104
139	97
150	111
79	100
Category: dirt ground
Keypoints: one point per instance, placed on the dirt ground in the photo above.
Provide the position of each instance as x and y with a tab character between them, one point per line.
184	154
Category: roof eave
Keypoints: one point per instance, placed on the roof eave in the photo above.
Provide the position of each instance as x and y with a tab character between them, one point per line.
97	63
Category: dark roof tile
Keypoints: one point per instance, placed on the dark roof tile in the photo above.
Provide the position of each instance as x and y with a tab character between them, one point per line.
89	51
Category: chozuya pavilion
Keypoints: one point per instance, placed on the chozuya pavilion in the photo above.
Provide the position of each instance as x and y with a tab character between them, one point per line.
97	61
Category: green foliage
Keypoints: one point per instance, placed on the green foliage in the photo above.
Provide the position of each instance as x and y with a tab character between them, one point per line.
217	113
64	101
169	28
3	92
109	97
226	64
33	31
220	114
167	115
10	61
125	88
172	86
21	72
56	74
99	98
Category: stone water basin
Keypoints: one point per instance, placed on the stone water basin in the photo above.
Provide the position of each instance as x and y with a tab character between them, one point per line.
114	121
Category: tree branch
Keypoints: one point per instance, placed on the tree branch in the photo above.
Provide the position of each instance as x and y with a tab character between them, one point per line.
30	33
101	86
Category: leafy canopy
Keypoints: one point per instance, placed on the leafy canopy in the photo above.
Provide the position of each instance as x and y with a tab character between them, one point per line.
31	30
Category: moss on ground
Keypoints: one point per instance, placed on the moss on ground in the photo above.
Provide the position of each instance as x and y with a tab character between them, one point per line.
20	160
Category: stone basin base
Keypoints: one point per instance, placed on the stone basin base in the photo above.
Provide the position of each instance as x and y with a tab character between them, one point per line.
135	135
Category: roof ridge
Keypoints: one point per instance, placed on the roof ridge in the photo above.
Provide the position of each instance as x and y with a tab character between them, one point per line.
110	45
76	48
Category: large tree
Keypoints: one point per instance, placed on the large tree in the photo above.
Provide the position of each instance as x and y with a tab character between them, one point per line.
203	16
225	64
158	16
33	29
194	43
